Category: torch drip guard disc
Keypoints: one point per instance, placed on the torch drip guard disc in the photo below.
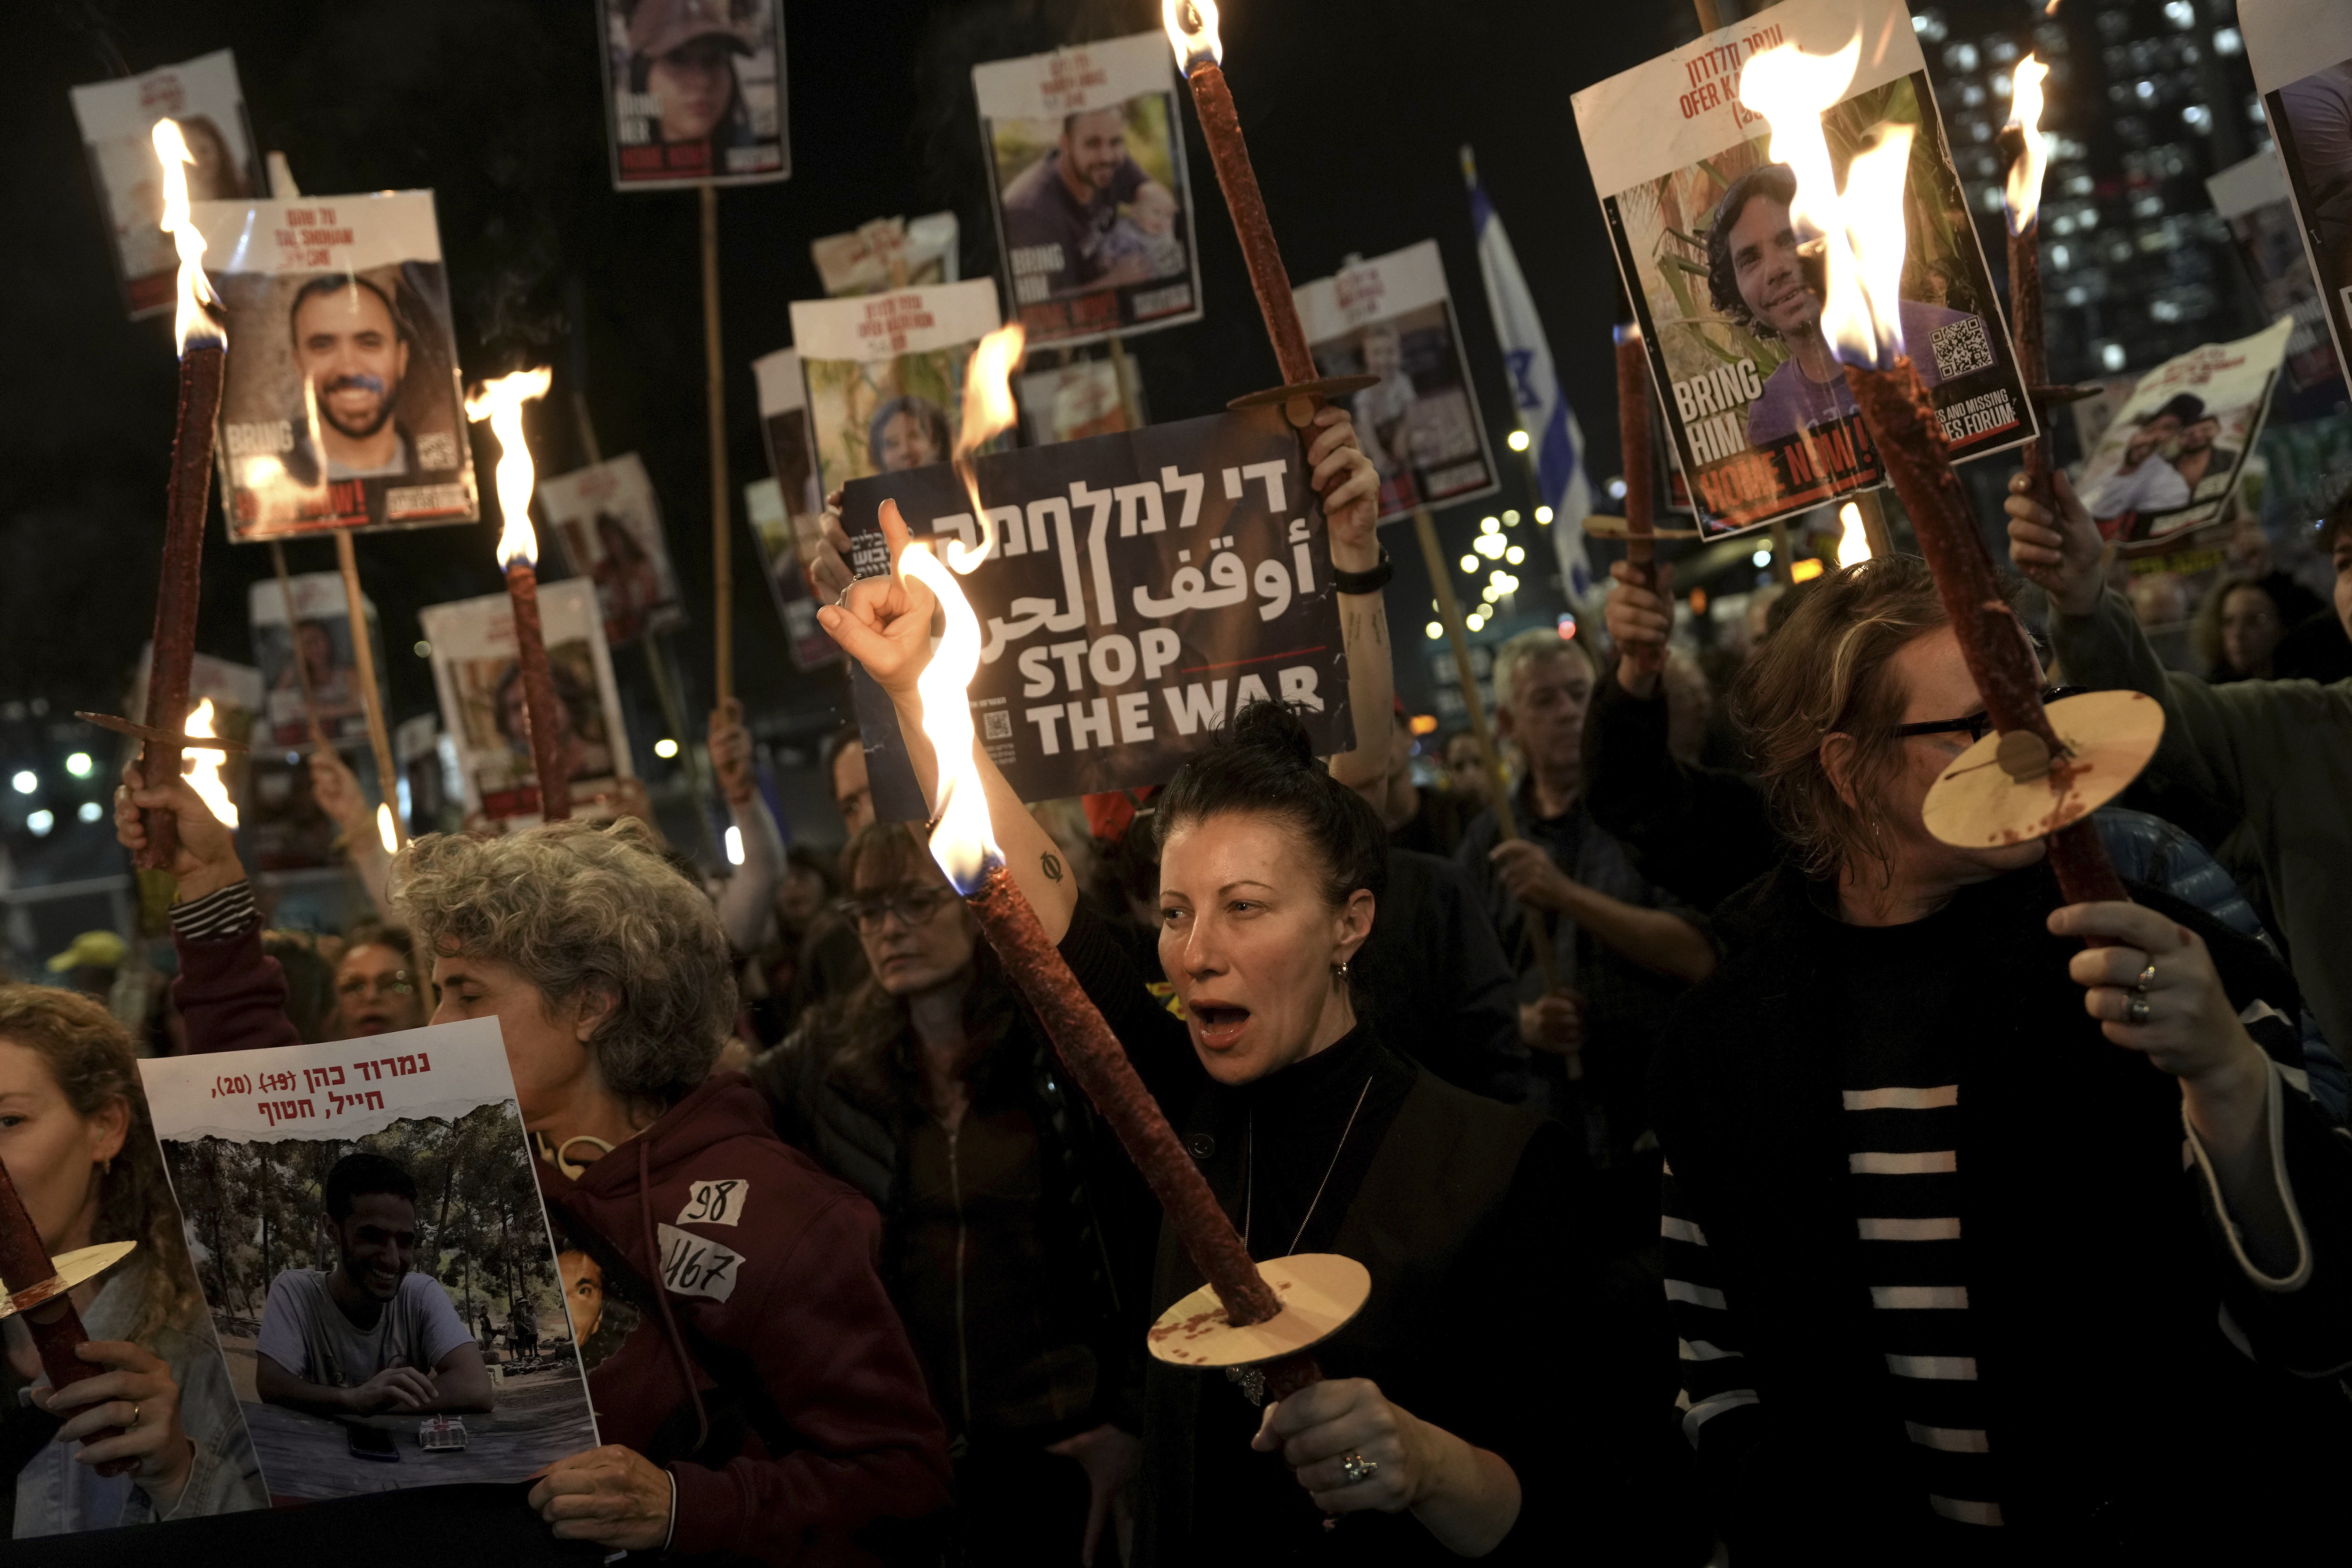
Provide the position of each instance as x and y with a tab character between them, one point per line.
1319	1291
73	1269
1976	805
1326	388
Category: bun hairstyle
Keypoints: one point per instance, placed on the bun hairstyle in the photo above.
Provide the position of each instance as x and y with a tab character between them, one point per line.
1263	764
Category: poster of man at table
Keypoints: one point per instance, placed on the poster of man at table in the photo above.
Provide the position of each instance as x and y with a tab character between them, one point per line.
1754	400
356	1207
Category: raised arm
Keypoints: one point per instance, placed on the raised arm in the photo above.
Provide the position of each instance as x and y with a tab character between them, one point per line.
884	623
1350	489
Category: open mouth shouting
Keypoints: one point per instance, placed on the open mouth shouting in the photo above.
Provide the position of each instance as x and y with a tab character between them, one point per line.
1216	1025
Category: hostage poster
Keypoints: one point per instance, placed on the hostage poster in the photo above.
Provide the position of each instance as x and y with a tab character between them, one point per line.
2310	115
1755	404
480	686
2170	458
693	92
883	375
2253	200
1391	317
391	1170
1139	588
609	521
784	509
118	122
317	646
1085	174
342	406
888	253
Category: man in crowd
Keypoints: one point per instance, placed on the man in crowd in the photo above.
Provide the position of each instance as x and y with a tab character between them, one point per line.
372	1334
351	349
1058	209
2275	756
1622	949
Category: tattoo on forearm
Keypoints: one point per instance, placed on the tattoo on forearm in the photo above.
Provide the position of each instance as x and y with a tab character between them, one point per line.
1051	864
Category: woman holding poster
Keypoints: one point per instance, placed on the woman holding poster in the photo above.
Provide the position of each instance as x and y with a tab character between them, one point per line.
75	1136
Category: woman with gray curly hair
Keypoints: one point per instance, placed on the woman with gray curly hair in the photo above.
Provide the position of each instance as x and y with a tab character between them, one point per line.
754	1378
754	1381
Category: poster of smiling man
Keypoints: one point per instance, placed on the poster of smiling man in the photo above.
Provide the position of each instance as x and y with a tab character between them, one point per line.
1755	403
693	92
1094	210
342	406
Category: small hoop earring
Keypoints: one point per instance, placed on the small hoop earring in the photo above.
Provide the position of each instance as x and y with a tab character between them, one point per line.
1339	970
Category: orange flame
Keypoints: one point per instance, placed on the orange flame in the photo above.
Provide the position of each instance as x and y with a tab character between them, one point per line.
1861	231
988	412
1853	544
204	768
195	325
2024	191
500	402
1192	33
965	841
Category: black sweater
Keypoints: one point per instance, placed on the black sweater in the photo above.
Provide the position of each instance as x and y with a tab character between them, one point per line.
2103	1294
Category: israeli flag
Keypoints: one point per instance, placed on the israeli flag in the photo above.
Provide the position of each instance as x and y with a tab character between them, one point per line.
1544	413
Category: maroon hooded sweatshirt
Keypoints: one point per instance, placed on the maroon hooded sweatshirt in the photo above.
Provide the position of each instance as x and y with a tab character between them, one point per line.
770	1375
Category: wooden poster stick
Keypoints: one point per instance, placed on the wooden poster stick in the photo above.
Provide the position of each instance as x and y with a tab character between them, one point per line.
364	657
722	575
302	670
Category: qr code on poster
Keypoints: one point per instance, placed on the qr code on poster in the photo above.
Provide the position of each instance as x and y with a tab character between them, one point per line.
1960	347
995	726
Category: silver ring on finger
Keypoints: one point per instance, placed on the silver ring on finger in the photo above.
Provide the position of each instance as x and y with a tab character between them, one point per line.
135	1408
1358	1469
2146	977
2136	1007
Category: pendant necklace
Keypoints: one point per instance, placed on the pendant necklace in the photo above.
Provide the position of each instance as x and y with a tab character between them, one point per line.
1252	1379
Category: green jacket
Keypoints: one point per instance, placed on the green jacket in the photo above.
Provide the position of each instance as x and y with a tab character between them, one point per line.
2279	751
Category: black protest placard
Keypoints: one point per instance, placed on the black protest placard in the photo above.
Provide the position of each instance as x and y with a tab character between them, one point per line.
1137	589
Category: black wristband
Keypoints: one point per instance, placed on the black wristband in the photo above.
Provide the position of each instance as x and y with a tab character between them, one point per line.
1370	582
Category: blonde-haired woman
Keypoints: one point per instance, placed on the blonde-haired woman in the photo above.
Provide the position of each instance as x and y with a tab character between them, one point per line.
1919	1202
75	1137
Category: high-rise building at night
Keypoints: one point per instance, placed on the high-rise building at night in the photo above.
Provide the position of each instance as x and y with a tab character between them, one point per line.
2146	99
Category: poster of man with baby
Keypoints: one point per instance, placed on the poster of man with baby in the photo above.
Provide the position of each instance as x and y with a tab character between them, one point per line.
1093	211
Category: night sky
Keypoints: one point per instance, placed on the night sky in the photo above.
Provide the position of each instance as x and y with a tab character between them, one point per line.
1354	114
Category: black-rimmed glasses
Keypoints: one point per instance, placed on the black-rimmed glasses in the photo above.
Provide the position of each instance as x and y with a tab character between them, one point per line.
912	904
1978	725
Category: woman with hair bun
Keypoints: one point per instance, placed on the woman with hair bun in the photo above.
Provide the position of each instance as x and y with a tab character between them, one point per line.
1463	1414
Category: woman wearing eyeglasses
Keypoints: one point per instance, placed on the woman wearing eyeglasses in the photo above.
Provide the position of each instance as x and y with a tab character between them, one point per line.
1016	1237
375	993
1981	1241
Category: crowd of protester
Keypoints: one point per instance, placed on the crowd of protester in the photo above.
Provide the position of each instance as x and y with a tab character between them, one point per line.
1739	1167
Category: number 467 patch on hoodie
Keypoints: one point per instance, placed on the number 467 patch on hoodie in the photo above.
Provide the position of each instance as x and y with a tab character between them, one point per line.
696	1266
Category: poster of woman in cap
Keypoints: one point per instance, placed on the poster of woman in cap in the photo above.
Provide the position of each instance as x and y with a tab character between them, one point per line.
118	120
696	92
